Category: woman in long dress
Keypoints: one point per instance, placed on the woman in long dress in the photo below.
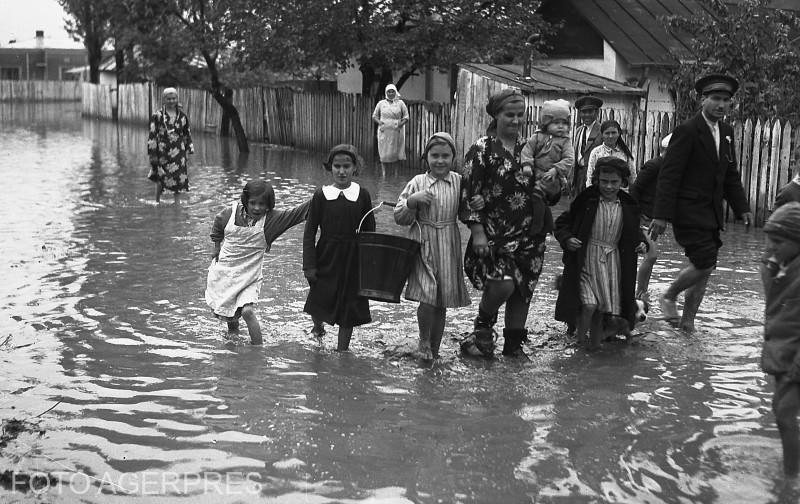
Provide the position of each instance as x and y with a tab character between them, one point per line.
168	143
391	116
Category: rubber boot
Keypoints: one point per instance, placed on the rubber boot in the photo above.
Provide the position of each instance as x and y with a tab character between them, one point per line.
480	342
513	342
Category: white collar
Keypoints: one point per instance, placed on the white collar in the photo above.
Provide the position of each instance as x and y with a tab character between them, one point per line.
351	193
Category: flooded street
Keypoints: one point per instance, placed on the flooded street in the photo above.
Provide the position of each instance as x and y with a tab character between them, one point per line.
102	315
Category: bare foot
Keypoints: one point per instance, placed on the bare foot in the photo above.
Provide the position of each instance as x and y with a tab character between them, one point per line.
424	351
669	310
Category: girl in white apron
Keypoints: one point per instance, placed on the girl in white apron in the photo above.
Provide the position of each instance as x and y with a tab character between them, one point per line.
242	234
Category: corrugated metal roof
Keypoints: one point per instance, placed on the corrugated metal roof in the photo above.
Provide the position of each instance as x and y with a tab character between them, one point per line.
554	78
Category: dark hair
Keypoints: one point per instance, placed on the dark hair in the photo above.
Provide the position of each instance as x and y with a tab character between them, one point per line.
256	189
348	150
611	164
620	142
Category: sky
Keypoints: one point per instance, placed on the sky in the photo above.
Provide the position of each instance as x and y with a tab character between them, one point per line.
21	18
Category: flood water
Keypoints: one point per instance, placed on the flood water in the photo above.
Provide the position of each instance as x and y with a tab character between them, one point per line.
102	315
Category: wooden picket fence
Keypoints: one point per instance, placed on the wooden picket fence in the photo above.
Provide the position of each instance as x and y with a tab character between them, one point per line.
32	90
317	121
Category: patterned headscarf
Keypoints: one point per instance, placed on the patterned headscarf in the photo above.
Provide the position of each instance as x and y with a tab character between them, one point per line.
496	103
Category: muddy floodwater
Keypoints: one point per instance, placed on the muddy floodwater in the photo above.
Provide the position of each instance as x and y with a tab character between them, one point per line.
109	353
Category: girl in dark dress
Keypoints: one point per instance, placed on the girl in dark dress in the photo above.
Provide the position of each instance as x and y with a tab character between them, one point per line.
331	265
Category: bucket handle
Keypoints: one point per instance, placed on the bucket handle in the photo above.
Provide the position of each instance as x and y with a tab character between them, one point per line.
387	203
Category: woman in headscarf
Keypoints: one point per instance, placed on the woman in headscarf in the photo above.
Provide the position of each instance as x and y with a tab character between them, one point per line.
391	116
505	252
168	143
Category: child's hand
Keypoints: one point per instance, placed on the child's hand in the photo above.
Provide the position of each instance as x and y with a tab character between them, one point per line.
421	198
311	276
573	244
476	203
641	248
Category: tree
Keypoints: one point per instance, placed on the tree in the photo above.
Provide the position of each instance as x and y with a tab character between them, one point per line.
750	42
392	40
90	23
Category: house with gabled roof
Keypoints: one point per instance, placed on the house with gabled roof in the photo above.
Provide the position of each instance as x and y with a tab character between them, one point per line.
627	40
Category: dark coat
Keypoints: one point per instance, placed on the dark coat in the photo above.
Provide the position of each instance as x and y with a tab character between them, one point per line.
694	179
595	139
577	222
643	188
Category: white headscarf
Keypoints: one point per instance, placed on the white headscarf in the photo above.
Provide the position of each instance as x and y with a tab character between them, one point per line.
168	91
392	87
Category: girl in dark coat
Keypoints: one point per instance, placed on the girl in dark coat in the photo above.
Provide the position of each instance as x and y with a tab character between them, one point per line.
600	236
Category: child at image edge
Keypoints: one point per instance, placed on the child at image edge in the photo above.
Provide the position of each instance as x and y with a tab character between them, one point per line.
780	357
331	265
242	234
437	279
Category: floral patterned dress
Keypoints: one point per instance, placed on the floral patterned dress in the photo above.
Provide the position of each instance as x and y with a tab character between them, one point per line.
515	221
168	143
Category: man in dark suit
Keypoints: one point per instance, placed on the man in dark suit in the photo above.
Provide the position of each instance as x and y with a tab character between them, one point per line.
587	137
699	171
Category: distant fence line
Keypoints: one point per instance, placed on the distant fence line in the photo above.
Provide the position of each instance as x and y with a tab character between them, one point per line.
30	90
317	121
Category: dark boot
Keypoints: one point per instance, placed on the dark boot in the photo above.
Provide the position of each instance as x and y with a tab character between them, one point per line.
480	342
513	342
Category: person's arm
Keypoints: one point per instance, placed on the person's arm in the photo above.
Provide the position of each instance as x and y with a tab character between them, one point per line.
152	141
282	220
404	112
528	152
403	213
376	114
218	230
590	165
368	223
187	135
733	191
567	162
310	234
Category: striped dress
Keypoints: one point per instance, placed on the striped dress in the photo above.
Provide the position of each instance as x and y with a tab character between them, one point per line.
438	275
600	278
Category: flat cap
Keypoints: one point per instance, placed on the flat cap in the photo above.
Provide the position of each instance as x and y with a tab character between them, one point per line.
716	83
588	102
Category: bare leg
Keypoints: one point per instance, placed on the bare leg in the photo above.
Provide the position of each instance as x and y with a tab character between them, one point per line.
688	277
425	319
596	331
646	270
495	293
691	303
318	331
437	330
345	333
583	322
159	190
785	405
233	326
250	318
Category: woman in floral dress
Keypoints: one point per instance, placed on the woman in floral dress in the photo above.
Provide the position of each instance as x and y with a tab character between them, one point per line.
168	143
505	252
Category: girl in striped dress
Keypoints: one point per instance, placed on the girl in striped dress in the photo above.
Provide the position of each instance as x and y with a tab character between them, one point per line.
601	237
430	204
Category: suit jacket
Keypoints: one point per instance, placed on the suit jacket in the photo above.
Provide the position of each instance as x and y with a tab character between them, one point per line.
694	179
643	188
595	139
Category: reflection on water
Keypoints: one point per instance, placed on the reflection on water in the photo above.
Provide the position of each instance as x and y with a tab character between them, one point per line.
103	310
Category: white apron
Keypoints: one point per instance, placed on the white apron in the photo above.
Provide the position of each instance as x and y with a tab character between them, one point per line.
235	279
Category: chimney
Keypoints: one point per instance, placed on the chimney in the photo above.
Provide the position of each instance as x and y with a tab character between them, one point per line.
39	39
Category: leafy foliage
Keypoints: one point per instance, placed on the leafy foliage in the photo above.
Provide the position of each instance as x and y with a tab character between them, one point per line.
750	42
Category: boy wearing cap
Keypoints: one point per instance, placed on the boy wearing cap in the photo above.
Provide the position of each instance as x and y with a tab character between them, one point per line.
780	273
587	137
699	171
548	154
